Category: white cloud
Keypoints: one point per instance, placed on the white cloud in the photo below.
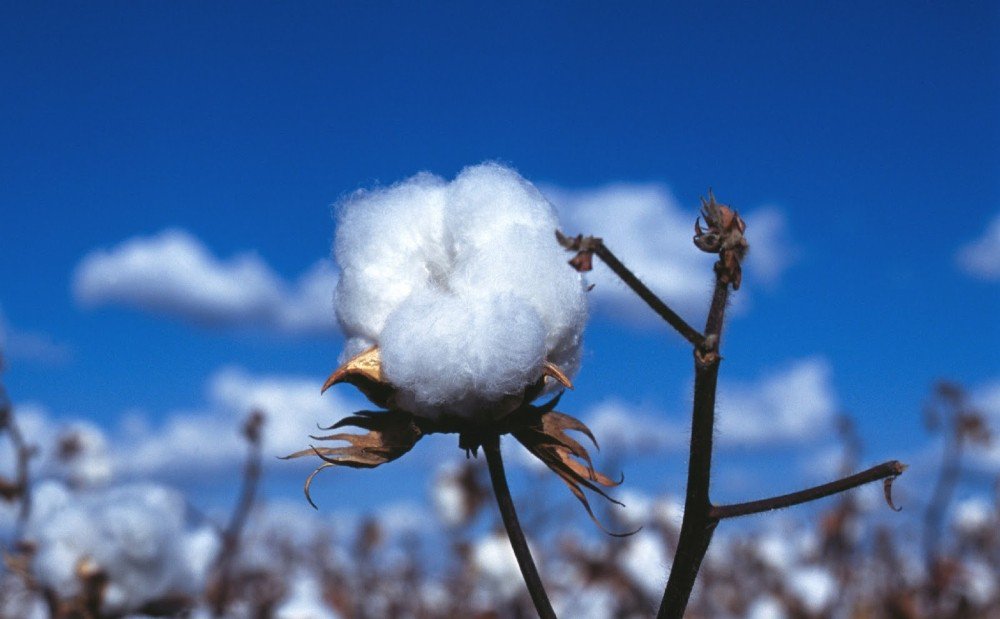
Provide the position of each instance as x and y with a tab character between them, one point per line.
32	346
210	438
986	399
981	257
620	428
793	404
651	233
173	273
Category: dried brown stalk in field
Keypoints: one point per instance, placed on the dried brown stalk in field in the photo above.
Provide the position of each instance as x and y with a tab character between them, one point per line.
220	590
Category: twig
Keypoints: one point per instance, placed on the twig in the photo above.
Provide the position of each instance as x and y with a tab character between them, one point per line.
886	470
593	245
949	410
233	532
21	488
491	447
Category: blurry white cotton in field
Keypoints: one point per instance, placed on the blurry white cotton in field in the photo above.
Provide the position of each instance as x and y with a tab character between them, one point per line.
83	457
305	600
815	587
450	500
498	576
973	516
461	284
136	534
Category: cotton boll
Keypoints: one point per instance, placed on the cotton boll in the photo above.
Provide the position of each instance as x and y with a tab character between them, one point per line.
531	265
766	607
84	458
972	516
388	244
775	551
49	498
645	561
305	600
456	355
449	495
587	602
638	509
499	576
487	199
20	601
815	586
200	548
135	534
979	581
461	285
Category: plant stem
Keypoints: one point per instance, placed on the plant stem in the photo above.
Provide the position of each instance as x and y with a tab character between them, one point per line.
647	295
24	452
951	457
698	525
491	447
882	471
233	532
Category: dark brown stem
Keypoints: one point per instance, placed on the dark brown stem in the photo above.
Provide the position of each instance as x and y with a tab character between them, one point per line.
24	452
647	295
491	447
698	525
885	470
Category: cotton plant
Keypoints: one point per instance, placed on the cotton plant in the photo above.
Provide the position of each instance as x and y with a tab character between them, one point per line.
461	313
121	548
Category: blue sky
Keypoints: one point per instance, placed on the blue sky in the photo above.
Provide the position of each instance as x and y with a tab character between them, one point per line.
865	137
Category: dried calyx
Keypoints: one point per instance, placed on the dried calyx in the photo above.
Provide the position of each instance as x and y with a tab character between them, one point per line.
723	236
392	432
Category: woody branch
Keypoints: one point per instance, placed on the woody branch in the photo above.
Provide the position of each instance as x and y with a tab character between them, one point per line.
724	236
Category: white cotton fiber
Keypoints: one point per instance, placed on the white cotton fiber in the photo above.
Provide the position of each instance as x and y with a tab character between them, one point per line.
461	285
135	533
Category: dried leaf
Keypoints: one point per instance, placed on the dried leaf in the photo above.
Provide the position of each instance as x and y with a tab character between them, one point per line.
887	490
309	481
390	434
545	437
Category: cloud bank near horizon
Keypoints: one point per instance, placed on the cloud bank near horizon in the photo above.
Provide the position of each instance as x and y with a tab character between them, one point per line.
174	274
980	258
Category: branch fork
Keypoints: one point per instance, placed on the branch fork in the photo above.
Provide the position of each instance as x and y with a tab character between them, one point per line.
723	235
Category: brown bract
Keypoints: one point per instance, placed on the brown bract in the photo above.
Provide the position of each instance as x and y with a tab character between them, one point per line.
584	246
392	432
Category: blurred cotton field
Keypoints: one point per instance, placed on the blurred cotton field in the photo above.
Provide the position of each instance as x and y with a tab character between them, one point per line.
151	554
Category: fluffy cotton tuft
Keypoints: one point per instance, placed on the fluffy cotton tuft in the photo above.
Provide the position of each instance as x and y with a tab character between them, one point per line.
461	285
136	533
